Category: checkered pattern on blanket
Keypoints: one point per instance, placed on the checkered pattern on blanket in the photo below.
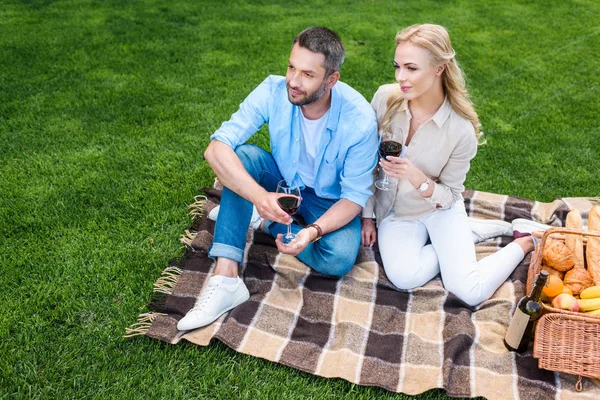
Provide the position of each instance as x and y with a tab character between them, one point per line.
359	327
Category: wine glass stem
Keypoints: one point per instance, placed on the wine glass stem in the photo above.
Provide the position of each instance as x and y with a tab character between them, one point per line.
385	180
289	231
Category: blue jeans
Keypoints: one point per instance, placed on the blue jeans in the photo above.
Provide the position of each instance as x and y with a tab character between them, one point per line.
334	254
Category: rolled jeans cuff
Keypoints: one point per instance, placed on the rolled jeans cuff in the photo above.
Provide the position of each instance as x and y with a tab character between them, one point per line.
226	251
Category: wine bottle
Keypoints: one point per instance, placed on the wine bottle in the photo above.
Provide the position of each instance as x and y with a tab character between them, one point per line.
529	310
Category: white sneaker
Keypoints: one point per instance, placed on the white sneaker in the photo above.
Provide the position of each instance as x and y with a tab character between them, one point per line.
484	229
524	227
216	299
255	221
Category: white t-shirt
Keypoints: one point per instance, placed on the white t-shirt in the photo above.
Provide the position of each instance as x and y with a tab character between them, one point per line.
311	131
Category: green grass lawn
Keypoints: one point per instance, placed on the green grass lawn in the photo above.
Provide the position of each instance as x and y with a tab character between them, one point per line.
106	108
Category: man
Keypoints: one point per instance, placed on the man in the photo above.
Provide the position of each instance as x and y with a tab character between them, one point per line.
323	134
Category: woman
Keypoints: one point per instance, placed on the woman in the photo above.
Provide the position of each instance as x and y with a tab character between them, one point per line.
429	112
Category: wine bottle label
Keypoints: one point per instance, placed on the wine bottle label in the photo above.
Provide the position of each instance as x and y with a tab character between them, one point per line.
517	327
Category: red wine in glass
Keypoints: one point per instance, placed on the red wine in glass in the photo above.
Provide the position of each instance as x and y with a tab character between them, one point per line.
289	204
388	146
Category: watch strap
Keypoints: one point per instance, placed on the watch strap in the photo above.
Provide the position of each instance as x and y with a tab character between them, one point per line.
319	231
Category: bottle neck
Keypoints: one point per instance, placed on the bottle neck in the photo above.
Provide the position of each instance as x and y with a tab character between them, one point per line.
536	292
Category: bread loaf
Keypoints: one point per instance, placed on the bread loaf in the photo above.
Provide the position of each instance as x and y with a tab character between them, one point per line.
593	245
575	242
557	255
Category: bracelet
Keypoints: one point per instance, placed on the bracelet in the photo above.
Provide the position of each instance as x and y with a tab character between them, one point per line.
319	231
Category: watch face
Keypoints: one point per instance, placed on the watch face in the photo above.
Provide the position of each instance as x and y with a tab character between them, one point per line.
424	186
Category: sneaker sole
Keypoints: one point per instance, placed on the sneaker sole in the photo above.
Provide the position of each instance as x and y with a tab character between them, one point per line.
528	222
507	225
236	303
507	231
254	220
213	214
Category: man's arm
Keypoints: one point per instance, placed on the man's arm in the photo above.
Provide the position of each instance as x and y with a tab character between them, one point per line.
220	154
338	215
232	174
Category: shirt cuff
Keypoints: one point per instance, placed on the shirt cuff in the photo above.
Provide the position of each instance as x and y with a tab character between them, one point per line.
356	198
437	197
221	137
368	209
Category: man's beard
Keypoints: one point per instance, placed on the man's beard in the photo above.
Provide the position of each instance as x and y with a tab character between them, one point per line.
307	99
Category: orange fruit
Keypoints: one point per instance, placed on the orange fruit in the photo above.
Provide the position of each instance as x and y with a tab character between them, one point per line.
554	286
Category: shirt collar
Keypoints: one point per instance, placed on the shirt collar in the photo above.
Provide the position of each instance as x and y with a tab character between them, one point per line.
440	116
334	109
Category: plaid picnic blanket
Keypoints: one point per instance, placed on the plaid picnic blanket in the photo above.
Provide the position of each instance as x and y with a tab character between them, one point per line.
359	327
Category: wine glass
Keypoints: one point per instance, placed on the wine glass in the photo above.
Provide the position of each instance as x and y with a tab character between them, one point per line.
289	203
388	146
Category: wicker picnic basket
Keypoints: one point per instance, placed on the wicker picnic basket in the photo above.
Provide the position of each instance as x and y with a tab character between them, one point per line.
565	341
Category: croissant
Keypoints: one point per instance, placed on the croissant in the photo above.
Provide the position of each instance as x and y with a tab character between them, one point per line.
578	279
593	245
557	255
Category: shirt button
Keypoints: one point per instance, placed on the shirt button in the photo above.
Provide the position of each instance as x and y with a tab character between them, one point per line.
294	162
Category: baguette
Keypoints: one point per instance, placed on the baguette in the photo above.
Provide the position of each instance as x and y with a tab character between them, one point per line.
575	242
593	245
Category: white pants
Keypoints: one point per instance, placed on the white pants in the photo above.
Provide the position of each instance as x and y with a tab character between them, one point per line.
408	262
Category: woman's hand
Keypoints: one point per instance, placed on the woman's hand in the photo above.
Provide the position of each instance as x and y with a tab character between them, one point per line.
403	168
368	233
400	168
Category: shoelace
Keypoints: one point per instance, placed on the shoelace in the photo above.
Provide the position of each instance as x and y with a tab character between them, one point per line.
204	297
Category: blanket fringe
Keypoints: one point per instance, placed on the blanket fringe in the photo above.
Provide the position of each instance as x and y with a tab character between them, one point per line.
187	238
167	280
197	208
163	288
142	325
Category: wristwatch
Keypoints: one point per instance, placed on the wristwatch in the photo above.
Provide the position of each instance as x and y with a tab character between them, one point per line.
424	186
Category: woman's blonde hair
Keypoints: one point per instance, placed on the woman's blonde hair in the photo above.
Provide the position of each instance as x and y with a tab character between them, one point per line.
435	38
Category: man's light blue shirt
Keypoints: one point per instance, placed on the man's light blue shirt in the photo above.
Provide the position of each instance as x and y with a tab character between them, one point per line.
347	151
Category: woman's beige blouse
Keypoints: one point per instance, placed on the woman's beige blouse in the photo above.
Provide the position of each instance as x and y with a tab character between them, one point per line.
442	148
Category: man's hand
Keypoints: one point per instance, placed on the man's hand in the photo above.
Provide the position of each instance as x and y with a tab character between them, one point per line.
303	238
268	207
368	233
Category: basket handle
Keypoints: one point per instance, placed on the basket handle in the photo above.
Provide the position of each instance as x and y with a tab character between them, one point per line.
537	261
552	230
542	243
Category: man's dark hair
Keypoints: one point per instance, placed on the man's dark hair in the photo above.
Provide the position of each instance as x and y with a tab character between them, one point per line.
325	41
